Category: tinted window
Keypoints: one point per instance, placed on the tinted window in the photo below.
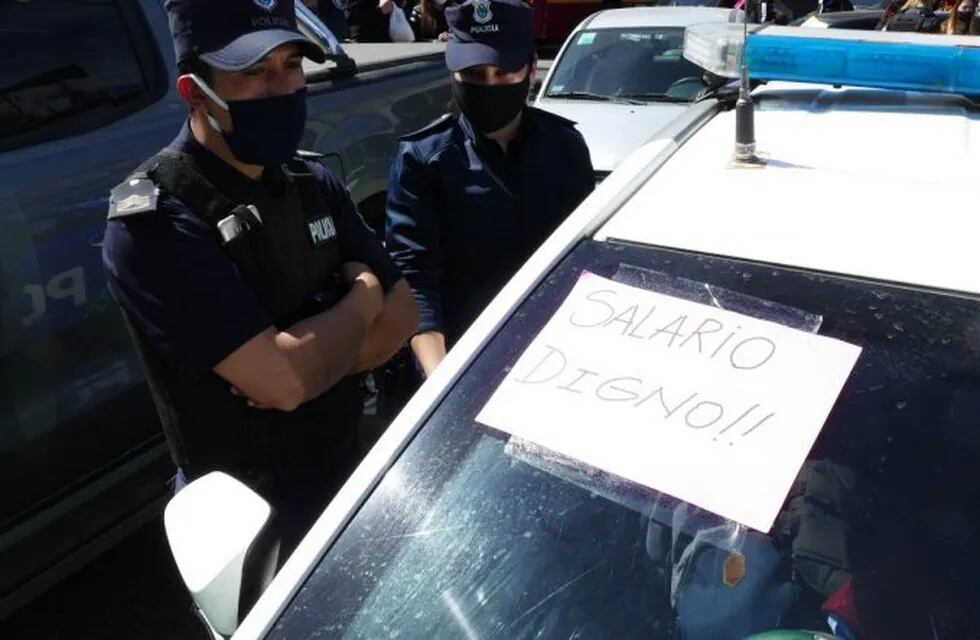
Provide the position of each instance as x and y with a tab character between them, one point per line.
638	63
69	66
469	537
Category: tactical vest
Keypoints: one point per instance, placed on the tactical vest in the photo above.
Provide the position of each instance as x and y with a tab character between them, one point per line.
289	256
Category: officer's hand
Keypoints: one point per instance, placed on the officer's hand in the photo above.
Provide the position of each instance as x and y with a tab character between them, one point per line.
235	391
354	271
359	273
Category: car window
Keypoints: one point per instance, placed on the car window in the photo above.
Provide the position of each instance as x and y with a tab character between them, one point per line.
76	69
469	536
644	63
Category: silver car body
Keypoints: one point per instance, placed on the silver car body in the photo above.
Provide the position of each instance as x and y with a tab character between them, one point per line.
613	130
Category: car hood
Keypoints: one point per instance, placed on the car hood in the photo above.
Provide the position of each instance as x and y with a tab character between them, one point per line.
611	130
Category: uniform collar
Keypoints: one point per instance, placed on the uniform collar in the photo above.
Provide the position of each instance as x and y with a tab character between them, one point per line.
483	153
482	142
229	180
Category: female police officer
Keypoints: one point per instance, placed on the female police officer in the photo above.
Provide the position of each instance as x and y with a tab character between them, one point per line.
253	289
472	195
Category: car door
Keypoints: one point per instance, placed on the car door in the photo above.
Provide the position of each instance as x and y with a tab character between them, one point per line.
83	99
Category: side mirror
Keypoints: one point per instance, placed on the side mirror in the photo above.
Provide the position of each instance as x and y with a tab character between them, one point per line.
221	536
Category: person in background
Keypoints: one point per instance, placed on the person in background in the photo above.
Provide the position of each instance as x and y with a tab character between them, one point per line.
927	16
472	195
369	20
963	19
334	16
428	20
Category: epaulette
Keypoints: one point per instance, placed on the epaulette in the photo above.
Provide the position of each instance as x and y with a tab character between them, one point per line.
137	195
553	117
308	155
442	123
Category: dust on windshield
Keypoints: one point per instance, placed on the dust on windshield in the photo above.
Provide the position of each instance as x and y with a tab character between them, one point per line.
471	536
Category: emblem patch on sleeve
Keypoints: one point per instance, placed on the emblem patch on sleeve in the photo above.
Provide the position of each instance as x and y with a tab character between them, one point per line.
136	195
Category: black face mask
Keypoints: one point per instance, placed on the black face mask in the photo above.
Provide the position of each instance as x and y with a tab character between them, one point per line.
266	131
491	107
963	20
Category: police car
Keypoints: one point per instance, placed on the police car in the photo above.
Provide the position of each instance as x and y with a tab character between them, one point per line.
841	227
621	77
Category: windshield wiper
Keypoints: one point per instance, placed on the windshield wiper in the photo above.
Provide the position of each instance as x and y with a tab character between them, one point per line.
655	97
598	97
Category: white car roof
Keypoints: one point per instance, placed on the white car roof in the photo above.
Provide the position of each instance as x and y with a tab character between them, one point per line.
658	17
869	183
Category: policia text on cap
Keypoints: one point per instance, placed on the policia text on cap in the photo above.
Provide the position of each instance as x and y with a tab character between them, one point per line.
253	289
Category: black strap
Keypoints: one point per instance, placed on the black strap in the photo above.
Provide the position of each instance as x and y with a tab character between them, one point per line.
310	192
175	172
160	390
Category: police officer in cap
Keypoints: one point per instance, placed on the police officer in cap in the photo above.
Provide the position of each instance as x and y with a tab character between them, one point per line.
253	289
472	195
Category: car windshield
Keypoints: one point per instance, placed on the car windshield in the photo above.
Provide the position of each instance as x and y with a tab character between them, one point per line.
643	63
470	536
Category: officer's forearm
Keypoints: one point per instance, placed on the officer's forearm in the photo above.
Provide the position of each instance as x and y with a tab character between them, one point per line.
430	349
391	329
323	348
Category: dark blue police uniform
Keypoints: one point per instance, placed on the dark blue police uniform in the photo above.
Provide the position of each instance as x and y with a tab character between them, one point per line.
462	216
179	286
201	259
188	303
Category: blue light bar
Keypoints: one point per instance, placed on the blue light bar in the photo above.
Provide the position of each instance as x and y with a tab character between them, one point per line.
934	66
905	61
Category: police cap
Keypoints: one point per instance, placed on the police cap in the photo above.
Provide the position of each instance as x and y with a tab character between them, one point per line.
490	32
232	35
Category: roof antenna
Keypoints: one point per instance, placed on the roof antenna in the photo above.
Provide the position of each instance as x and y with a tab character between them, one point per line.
744	108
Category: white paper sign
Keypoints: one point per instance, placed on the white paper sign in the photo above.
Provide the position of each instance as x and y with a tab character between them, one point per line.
712	407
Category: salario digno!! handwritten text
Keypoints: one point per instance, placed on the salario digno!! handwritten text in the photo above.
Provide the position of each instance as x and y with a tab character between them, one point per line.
700	337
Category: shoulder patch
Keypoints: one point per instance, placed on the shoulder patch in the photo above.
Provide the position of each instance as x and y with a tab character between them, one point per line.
551	117
442	123
135	196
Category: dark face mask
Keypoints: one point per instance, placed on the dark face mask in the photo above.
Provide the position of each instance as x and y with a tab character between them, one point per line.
963	22
266	131
491	107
